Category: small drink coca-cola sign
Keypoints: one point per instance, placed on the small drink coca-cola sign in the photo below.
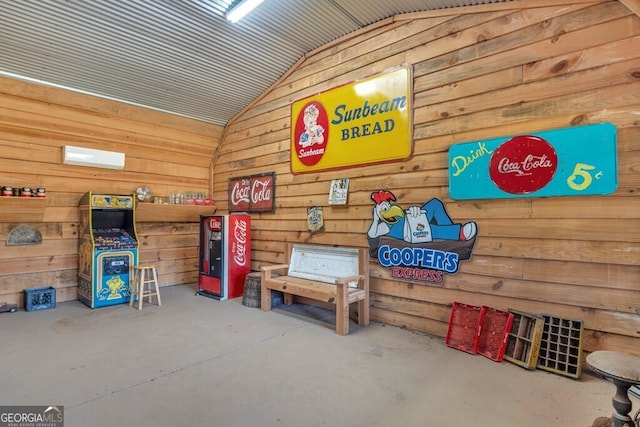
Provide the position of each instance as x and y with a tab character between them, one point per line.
255	193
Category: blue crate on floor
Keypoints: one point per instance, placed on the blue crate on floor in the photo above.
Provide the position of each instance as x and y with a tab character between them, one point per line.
39	298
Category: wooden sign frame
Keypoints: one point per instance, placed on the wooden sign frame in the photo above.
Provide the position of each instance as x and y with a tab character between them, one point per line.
253	193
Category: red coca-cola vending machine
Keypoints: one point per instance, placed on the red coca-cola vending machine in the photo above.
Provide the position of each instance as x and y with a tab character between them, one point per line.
225	255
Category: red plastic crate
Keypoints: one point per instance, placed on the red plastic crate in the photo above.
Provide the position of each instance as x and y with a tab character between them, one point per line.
494	333
464	327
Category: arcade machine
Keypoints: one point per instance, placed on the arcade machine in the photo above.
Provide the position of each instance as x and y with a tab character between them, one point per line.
108	249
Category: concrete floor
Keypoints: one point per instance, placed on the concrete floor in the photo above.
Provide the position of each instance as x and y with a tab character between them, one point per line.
196	361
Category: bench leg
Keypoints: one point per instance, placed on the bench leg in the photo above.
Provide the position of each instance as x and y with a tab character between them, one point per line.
363	312
288	298
265	295
342	310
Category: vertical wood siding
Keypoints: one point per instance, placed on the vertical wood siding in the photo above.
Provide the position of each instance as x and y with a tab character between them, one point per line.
163	151
477	75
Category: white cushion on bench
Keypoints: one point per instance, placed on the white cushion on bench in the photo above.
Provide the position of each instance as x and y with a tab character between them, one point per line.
323	264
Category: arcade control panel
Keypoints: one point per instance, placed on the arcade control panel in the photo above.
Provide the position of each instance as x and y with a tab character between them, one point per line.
113	238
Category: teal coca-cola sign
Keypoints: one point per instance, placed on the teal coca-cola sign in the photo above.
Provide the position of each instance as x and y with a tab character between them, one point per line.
576	161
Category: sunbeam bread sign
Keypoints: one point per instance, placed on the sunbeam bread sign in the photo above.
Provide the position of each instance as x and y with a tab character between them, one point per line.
364	122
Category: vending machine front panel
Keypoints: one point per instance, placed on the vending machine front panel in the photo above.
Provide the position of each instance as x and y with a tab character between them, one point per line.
211	277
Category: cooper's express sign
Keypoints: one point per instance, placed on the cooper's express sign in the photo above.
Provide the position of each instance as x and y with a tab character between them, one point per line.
576	161
418	243
364	122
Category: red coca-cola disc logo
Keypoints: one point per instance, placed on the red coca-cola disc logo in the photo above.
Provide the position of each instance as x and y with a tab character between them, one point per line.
311	133
523	164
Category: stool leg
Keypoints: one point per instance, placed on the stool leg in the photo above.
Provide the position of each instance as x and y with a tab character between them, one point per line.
147	284
132	289
155	282
141	289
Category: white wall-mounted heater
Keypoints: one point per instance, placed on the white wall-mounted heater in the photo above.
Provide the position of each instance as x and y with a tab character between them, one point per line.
80	156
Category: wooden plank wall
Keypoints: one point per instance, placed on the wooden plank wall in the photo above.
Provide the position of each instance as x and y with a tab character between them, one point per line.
479	72
166	152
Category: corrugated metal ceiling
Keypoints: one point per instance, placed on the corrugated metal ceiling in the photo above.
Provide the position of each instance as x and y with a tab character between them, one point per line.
179	56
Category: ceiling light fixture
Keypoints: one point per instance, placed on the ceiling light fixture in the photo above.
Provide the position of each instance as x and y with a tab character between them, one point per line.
240	8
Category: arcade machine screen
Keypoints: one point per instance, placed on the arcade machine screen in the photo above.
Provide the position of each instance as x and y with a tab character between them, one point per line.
110	229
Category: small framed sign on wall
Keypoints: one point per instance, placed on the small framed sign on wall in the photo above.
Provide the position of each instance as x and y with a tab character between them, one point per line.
253	193
338	191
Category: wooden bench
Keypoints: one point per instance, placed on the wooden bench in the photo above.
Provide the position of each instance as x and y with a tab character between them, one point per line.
334	275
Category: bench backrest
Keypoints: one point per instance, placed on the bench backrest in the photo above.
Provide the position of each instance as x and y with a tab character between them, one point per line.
323	263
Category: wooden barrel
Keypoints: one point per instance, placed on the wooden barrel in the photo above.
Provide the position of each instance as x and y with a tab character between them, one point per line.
251	294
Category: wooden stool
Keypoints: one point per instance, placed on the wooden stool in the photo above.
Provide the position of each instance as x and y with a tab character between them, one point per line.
623	370
146	275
